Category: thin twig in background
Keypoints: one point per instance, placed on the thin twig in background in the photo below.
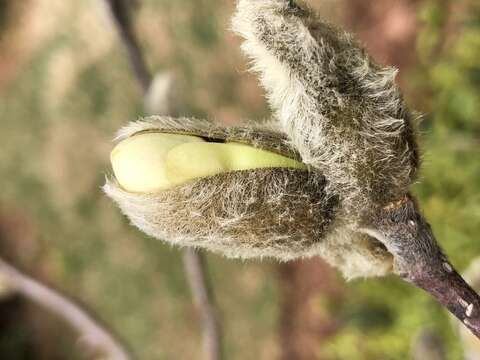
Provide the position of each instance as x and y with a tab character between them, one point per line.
97	338
193	261
195	267
121	16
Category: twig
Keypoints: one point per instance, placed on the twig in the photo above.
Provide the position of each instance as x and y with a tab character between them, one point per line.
121	17
193	261
96	337
195	267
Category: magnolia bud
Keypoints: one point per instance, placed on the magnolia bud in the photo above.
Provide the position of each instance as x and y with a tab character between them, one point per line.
240	191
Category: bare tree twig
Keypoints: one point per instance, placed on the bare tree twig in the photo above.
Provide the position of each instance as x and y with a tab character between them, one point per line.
121	16
195	267
193	261
96	337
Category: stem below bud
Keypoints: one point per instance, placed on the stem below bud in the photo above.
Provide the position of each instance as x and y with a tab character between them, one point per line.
450	289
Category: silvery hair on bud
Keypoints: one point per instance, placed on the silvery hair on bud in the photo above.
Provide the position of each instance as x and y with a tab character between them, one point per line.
278	212
342	111
337	111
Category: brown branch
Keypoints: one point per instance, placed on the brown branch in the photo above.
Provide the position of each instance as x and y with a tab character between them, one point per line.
193	261
95	336
446	285
418	259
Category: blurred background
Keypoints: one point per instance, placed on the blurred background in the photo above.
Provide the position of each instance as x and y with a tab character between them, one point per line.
65	88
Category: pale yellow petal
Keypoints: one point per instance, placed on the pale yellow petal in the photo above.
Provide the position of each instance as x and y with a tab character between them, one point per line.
138	162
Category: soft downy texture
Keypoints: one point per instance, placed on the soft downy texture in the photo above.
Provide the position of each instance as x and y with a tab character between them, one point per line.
273	212
342	112
336	111
342	115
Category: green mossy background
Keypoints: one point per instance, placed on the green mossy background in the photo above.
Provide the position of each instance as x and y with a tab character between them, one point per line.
66	87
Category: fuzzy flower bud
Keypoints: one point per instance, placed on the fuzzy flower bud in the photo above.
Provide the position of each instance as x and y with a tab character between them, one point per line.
240	191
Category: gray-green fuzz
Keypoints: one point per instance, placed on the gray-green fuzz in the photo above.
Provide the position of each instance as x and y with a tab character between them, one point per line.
340	113
280	213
